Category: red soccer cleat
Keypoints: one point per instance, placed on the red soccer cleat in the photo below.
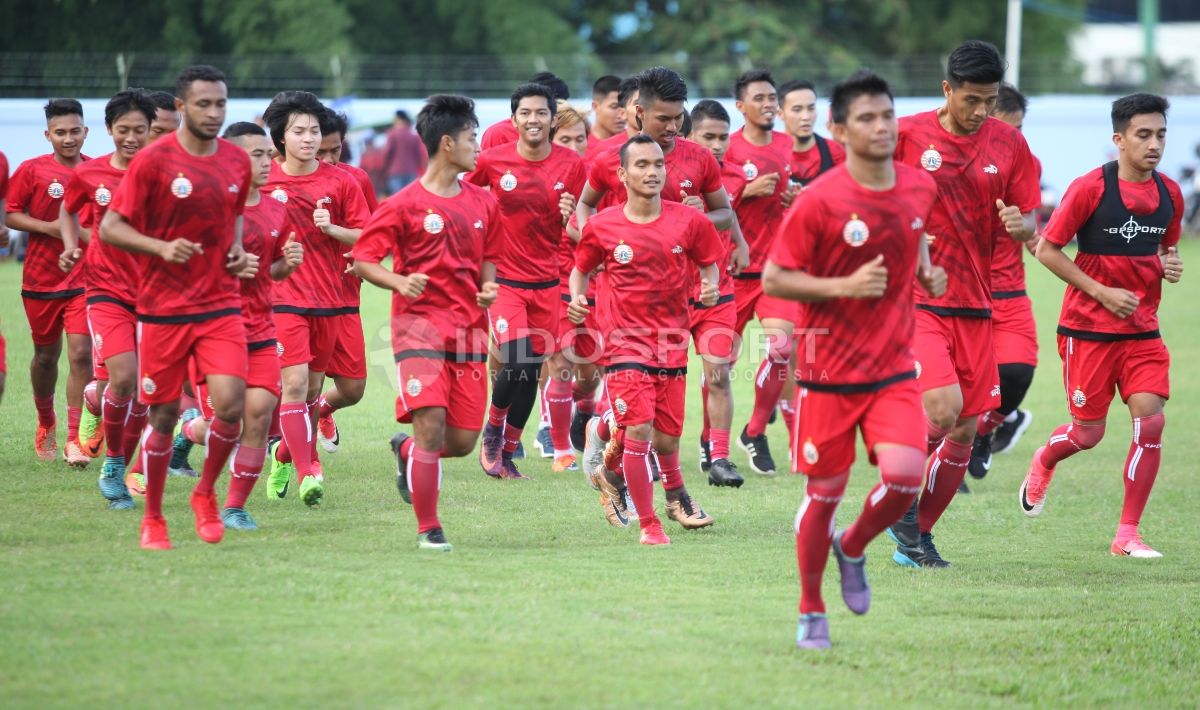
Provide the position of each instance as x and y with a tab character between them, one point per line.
208	520
154	533
653	534
44	443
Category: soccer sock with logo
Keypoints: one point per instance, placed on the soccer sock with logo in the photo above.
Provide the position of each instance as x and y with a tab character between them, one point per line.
787	409
296	428
934	435
945	473
557	397
719	443
512	437
669	471
45	410
219	444
244	470
768	384
1070	439
115	412
900	471
424	482
74	414
314	413
637	479
814	533
132	432
585	402
156	454
989	421
1141	468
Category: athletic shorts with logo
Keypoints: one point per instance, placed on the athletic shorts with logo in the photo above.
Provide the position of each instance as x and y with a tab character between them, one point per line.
218	346
1094	370
306	339
49	318
1014	331
428	379
114	332
956	350
639	395
526	311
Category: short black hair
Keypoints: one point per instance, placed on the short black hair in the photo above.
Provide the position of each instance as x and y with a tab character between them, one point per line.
197	72
285	105
685	126
977	62
62	107
605	85
628	87
403	116
163	99
129	101
660	84
1011	100
749	77
532	89
863	82
637	139
1126	107
334	122
709	109
243	128
444	115
558	87
795	85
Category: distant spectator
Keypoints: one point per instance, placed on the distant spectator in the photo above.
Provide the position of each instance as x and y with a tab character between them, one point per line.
404	155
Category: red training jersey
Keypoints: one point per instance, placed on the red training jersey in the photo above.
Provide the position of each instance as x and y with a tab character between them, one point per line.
448	239
1008	255
499	133
733	178
37	189
1084	316
759	217
351	284
3	175
111	272
169	194
264	232
971	172
691	169
317	286
647	275
528	193
806	164
836	226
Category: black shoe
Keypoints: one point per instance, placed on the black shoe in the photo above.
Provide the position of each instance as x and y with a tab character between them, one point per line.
579	430
929	553
401	467
905	532
774	415
963	487
724	473
759	452
652	462
519	453
981	459
1009	433
705	455
545	443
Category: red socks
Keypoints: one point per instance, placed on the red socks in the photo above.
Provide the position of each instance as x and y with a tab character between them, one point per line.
638	480
424	482
512	437
557	397
244	471
156	454
814	533
496	415
323	408
768	384
947	467
297	431
1070	439
668	471
934	435
1141	466
900	470
988	422
74	414
114	412
45	410
718	440
134	427
222	438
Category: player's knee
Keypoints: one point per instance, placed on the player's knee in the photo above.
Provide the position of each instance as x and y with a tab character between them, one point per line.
352	390
1149	429
162	417
779	348
1086	436
639	432
717	378
901	468
45	358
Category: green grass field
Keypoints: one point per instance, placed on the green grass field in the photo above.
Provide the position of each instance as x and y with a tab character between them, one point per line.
543	604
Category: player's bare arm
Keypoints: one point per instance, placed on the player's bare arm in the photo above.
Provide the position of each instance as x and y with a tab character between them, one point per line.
720	213
32	225
116	230
932	278
709	293
488	288
410	286
1118	301
72	234
577	309
238	262
585	208
740	258
321	219
868	281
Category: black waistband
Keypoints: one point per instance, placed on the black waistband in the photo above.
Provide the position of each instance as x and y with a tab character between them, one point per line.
51	295
318	312
441	355
189	317
1107	337
727	298
260	344
111	299
748	276
648	369
956	312
528	285
566	298
858	387
1004	295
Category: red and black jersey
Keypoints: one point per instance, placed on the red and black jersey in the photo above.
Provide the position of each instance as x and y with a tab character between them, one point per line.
822	157
759	217
1008	259
499	133
37	189
111	272
691	170
264	232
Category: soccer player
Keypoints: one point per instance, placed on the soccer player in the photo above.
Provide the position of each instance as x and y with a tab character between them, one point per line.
713	328
649	249
4	244
812	154
327	208
849	251
54	301
987	181
1127	219
1013	328
627	95
111	291
348	364
503	131
180	206
763	154
446	237
536	183
166	116
608	116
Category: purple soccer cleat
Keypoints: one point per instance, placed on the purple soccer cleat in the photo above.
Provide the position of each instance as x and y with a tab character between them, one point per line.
855	590
490	450
813	631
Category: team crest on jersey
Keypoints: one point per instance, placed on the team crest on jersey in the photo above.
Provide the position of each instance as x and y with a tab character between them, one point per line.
917	366
413	387
931	160
501	326
181	187
750	169
55	189
148	385
434	224
508	182
855	232
1078	398
918	224
811	455
278	349
623	253
279	195
676	249
103	196
620	406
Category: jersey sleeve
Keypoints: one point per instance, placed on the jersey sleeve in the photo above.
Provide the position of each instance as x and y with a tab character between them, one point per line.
379	236
479	176
704	244
602	176
576	178
1024	187
19	189
711	180
131	192
497	237
356	214
76	196
246	185
1078	203
1175	228
3	177
793	244
588	253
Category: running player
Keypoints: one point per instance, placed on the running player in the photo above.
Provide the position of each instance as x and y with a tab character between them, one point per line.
181	207
608	118
166	116
987	181
713	328
446	237
111	291
54	301
1127	219
812	154
848	252
503	131
4	244
627	95
326	207
763	154
649	249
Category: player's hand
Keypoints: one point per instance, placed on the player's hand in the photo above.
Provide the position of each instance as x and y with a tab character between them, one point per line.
934	280
4	236
788	196
709	292
250	270
1172	265
868	281
930	239
1010	217
293	251
577	309
692	201
413	285
322	219
487	294
566	206
1033	242
761	186
1118	301
739	259
178	251
68	258
236	261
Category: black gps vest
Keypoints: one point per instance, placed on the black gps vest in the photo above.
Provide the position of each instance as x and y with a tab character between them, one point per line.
1114	230
826	161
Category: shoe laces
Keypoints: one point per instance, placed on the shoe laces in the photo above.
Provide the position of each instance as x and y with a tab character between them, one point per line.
928	547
